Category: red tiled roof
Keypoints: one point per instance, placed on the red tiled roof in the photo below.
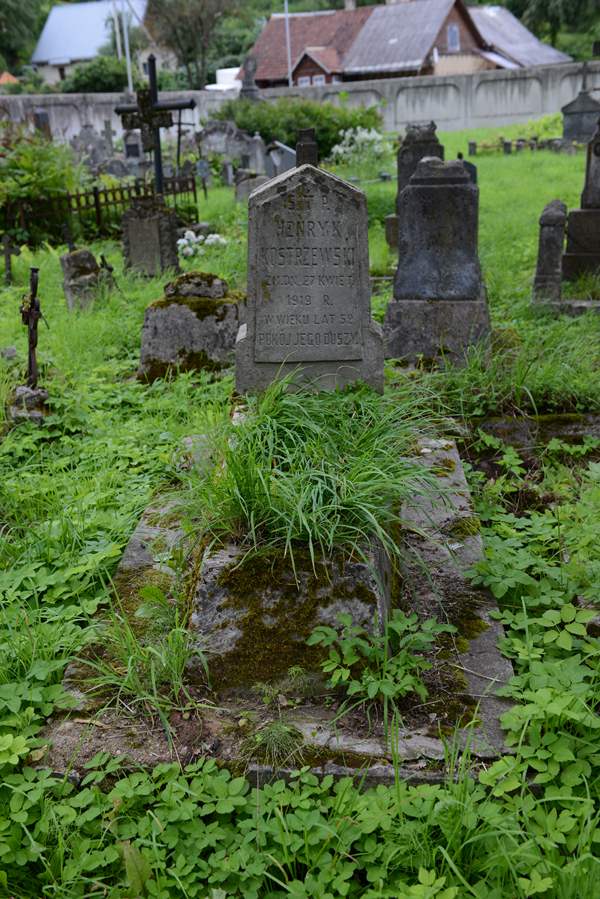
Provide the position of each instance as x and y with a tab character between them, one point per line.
7	78
330	30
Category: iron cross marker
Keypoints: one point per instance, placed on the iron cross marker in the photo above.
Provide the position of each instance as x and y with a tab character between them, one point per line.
149	115
30	316
8	250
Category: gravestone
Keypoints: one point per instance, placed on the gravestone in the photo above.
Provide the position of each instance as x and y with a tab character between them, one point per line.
227	173
280	158
583	225
419	141
548	273
82	277
472	148
391	231
132	141
581	114
439	306
90	147
247	181
507	147
41	122
309	303
192	327
469	168
150	237
307	151
249	89
224	138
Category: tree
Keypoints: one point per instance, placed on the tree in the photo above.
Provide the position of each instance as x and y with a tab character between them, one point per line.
186	27
103	75
18	22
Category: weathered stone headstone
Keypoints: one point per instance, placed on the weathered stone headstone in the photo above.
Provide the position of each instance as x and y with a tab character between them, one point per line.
507	147
249	89
419	141
41	122
472	148
280	159
82	277
247	181
583	225
227	173
90	147
548	273
581	114
391	231
309	309
150	237
132	141
192	327
439	306
307	150
469	168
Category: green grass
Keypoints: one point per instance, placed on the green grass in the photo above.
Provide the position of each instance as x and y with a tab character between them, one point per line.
72	492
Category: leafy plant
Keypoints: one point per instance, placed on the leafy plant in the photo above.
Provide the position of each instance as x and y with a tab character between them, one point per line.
375	667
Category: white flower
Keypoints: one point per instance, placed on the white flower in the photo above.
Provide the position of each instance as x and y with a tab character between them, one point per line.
189	235
188	251
182	242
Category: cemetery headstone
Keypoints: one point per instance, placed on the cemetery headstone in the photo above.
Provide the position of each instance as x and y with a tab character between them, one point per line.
307	150
29	400
419	141
581	114
472	148
82	277
41	122
391	231
192	327
90	147
132	142
150	237
548	273
507	147
583	225
227	173
8	251
279	159
249	89
439	306
245	182
309	305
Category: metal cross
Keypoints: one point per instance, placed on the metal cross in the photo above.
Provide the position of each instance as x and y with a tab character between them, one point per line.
8	250
149	115
30	315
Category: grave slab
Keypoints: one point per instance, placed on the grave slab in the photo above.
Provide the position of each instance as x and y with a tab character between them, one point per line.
150	237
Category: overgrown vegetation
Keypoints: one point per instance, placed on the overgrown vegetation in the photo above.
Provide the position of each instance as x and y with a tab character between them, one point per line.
72	491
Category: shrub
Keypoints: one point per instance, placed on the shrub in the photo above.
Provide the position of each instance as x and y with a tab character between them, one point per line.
103	75
283	119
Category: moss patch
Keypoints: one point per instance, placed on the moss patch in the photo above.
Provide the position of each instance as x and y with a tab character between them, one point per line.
202	307
467	526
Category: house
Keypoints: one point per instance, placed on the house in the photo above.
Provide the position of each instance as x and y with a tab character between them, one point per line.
76	32
413	37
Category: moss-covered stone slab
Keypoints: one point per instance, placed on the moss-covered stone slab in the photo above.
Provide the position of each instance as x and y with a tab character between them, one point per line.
192	327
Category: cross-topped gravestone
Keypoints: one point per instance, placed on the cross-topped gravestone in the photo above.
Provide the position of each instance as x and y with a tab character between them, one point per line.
309	299
307	151
149	115
30	316
249	89
8	250
583	225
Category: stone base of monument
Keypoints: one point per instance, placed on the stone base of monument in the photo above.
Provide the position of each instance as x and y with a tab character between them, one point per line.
28	404
252	616
434	329
570	307
192	327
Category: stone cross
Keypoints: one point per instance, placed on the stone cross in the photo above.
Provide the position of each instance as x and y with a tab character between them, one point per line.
307	151
149	115
249	89
30	316
309	298
8	250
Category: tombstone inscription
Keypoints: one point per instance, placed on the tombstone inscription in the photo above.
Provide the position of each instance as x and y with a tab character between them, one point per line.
309	310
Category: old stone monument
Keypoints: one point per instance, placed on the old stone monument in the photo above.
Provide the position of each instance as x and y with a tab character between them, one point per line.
308	308
439	306
192	327
150	237
581	114
583	225
82	278
249	89
419	141
547	285
307	150
280	159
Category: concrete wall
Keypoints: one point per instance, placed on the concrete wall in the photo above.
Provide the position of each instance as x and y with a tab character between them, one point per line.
484	99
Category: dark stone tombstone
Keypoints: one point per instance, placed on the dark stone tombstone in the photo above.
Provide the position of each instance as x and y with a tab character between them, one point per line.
133	145
548	273
507	147
391	231
150	237
419	141
439	306
307	150
583	225
8	251
384	176
41	122
309	298
472	148
249	90
581	114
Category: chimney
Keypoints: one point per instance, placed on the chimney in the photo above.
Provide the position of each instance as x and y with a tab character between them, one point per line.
349	4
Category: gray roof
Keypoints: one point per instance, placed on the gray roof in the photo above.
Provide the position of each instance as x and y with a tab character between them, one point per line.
508	36
398	37
75	32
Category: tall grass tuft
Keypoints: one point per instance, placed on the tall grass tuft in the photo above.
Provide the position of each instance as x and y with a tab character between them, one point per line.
318	470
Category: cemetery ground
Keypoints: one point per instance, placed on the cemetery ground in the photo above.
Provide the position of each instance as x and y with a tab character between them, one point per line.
527	420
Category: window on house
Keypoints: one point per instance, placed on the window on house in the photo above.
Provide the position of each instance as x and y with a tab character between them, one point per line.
453	39
318	79
304	81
